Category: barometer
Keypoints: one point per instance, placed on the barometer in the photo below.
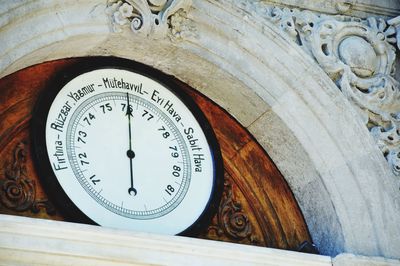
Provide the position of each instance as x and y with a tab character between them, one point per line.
117	144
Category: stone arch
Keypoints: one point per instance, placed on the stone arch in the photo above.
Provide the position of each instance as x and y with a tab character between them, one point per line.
342	183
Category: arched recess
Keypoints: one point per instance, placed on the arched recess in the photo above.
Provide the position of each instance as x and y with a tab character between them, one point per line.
348	195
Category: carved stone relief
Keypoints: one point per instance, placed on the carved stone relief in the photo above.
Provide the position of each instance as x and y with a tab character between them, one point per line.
359	56
395	22
152	18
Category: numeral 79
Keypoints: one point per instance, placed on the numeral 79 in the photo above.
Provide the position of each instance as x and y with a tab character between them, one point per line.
175	153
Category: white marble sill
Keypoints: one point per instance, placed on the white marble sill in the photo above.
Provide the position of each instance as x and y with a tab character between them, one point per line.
27	241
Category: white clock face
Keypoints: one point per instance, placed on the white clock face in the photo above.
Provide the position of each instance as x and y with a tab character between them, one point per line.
129	153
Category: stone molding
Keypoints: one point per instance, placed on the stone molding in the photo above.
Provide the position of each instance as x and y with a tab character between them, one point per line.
247	65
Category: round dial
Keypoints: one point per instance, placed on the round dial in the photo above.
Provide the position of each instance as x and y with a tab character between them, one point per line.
128	152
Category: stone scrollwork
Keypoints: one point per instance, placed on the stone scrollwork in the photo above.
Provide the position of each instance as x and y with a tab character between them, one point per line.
155	18
359	56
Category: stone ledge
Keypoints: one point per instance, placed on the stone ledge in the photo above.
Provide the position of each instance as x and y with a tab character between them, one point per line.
27	241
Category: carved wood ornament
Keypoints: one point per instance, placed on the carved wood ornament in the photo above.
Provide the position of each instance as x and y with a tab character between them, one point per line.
232	221
257	206
18	191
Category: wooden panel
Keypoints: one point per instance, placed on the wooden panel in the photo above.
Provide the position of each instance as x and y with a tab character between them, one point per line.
257	206
20	190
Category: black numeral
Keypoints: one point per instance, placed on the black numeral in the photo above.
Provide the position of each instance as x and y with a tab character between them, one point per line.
165	134
83	156
175	153
150	116
170	189
81	136
82	133
84	162
106	107
176	171
124	107
94	181
88	118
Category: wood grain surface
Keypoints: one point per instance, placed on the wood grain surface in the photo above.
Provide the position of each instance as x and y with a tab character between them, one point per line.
257	206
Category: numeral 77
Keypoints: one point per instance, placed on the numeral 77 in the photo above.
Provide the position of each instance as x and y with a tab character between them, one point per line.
147	113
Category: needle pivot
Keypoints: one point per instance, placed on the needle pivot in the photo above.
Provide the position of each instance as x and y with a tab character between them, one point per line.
130	154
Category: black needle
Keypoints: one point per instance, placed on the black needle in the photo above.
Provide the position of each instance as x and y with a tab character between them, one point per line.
130	152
